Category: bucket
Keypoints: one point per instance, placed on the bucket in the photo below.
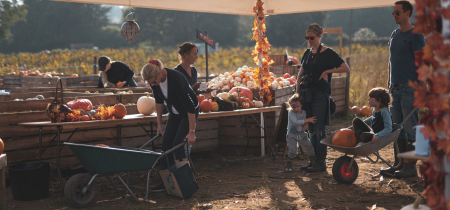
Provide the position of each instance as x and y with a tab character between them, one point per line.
422	144
29	181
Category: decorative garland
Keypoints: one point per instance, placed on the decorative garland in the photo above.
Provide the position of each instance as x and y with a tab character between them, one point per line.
434	64
261	74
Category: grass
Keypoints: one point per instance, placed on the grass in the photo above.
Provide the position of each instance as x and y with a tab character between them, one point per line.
55	202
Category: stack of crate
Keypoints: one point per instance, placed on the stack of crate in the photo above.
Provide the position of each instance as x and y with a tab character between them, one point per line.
279	67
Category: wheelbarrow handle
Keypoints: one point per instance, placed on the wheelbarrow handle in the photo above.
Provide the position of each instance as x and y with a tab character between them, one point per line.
151	140
174	148
409	115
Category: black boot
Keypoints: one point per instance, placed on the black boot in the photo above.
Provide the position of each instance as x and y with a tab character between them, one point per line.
288	168
398	164
408	170
309	164
320	164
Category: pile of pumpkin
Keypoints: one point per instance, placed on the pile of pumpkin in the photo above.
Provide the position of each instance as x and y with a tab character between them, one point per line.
38	73
243	77
241	95
365	110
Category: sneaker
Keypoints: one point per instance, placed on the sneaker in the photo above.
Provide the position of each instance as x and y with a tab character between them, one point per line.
159	188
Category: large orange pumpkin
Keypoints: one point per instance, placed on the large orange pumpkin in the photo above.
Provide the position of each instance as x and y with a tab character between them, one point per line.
120	111
344	138
2	146
206	106
243	92
356	110
366	111
84	104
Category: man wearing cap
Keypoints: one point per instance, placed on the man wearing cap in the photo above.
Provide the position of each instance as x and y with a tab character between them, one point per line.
115	74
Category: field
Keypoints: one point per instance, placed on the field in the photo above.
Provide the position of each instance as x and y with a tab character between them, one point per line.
368	63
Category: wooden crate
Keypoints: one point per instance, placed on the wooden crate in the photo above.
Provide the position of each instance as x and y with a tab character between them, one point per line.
10	82
280	70
278	59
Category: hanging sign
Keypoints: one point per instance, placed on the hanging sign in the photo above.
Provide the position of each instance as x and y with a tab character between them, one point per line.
206	38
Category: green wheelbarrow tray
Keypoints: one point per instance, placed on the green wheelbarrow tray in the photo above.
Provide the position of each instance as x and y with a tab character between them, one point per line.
365	149
113	159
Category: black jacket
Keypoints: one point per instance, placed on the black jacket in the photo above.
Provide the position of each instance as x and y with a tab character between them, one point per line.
118	72
179	94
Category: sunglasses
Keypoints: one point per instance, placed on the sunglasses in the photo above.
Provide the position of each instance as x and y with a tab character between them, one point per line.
310	37
397	13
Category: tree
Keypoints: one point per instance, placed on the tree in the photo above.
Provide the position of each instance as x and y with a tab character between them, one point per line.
10	13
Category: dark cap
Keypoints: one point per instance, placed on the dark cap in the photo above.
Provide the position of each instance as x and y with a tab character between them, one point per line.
102	62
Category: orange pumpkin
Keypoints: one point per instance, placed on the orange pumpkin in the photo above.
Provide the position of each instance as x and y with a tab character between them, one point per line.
85	118
2	146
206	106
243	91
200	98
240	100
245	105
84	104
215	107
74	75
366	111
344	138
120	111
252	105
356	110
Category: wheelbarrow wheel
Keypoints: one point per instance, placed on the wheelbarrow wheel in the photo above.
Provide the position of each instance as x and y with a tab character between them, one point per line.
340	173
73	191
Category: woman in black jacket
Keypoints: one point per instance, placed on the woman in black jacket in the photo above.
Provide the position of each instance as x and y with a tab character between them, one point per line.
114	74
170	86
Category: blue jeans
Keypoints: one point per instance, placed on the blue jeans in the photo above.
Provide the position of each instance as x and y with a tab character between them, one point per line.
402	105
317	131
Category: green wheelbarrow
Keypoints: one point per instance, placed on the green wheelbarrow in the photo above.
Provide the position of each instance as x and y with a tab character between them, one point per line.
81	190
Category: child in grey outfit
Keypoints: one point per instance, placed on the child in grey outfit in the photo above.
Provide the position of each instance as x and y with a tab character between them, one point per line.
297	124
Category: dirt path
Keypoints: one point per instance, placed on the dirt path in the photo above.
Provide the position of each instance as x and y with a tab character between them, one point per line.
252	182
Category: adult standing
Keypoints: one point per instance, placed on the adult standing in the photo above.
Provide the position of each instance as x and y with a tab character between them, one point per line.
402	45
114	74
313	84
171	86
187	54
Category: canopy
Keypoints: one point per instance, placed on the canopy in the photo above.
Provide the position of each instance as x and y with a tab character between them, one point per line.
244	7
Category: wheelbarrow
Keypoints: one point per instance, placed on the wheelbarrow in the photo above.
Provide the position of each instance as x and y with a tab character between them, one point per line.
345	169
81	190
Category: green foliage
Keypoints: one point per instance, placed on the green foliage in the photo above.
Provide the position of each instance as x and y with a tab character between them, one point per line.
10	13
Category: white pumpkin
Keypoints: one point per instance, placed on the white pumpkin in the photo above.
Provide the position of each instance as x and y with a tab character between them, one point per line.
225	81
226	88
146	105
226	74
250	83
244	81
237	84
235	94
223	95
229	78
274	85
219	85
259	104
237	79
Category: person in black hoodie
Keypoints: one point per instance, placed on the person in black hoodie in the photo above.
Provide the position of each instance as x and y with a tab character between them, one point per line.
171	86
114	74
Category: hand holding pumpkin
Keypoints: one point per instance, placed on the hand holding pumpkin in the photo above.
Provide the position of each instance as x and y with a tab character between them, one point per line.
121	84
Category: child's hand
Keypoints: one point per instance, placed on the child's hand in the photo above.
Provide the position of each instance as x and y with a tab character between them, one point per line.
375	139
305	127
311	120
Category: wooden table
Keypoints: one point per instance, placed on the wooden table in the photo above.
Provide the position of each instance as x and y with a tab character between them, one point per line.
3	164
412	156
139	118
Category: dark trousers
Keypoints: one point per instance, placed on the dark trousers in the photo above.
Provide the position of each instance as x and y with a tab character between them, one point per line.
317	131
177	128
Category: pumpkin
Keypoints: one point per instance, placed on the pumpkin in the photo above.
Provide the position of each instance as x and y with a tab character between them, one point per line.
356	110
206	106
223	95
344	138
252	105
240	100
84	104
366	111
215	107
201	98
85	118
2	146
231	97
120	111
12	74
245	105
74	75
286	76
146	105
243	91
259	104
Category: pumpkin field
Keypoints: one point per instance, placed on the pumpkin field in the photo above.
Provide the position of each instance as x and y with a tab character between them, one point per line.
368	64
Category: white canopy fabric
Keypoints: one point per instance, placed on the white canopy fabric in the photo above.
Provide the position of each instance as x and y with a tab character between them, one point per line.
245	7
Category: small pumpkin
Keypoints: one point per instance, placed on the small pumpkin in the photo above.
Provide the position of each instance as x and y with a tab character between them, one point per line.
74	75
252	105
84	104
231	97
120	111
356	110
215	107
240	100
201	98
245	105
223	95
206	106
344	138
146	105
85	118
259	104
366	111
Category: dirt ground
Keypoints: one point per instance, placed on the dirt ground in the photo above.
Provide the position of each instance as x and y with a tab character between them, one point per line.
253	182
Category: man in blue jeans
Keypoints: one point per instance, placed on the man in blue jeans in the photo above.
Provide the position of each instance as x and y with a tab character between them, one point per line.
403	43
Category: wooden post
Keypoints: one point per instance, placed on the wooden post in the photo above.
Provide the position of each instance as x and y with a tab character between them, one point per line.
95	64
347	88
3	164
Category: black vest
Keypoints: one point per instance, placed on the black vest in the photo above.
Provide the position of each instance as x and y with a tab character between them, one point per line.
377	122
